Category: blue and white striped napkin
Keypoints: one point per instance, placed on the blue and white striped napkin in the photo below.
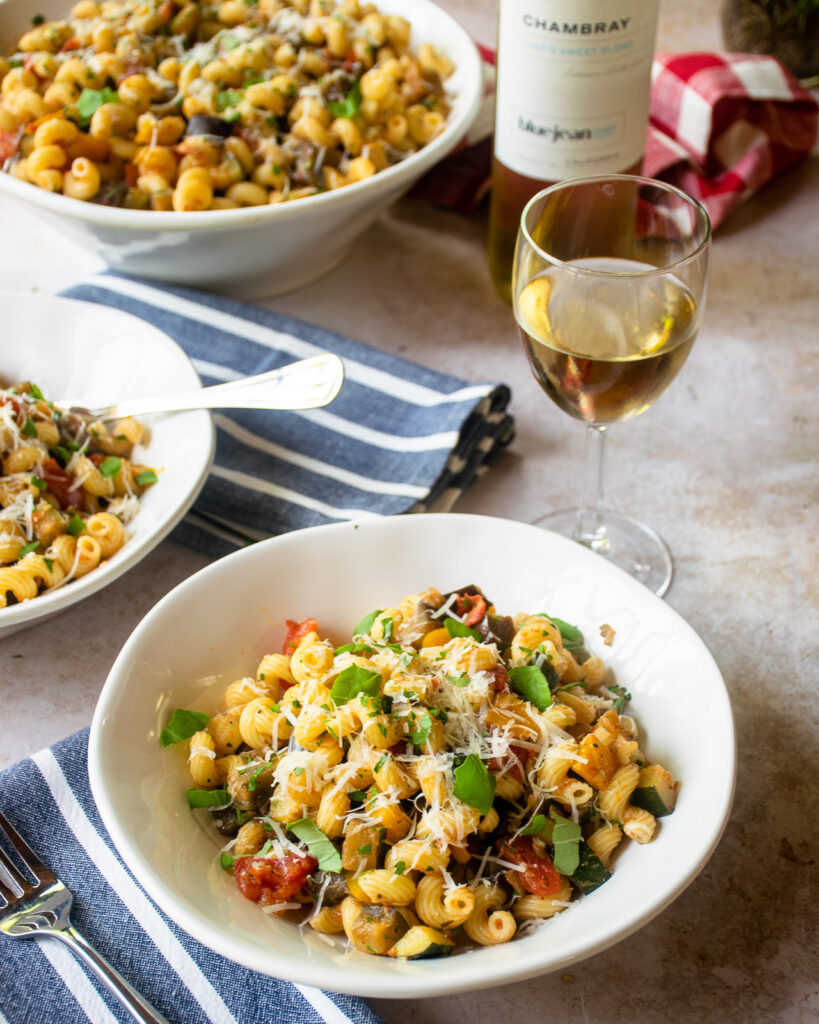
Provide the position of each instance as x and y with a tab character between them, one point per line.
398	438
48	800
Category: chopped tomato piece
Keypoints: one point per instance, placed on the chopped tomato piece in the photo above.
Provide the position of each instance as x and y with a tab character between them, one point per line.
269	880
70	44
296	631
9	141
62	485
539	875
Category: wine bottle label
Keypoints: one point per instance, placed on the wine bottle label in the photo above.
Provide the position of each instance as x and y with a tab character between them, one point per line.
573	85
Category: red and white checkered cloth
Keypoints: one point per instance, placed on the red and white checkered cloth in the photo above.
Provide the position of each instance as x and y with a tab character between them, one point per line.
722	125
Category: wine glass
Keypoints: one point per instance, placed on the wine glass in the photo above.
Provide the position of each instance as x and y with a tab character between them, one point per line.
609	286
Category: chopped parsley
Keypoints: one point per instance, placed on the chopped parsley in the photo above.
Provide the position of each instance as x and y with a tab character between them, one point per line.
350	105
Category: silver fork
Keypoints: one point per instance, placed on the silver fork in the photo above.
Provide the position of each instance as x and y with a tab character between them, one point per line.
42	909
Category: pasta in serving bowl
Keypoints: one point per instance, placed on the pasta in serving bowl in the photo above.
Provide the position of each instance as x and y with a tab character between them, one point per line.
238	146
212	651
445	774
76	511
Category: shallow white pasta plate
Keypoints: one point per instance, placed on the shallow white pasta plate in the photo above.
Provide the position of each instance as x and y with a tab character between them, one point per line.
215	626
261	249
98	356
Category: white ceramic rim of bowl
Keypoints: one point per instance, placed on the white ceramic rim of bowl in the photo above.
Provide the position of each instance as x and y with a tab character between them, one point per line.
138	547
219	220
469	971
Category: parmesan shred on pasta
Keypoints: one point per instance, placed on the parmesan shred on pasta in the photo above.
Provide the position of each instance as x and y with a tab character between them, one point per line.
67	490
446	777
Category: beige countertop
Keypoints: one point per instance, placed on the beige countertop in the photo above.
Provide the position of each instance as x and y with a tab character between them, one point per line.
724	467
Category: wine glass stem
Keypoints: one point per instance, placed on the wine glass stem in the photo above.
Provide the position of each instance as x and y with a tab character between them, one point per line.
591	527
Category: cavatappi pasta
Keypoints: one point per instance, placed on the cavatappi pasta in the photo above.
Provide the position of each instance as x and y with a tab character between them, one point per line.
67	491
449	775
175	105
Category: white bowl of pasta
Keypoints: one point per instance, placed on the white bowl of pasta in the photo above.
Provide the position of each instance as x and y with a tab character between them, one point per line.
254	176
76	511
413	795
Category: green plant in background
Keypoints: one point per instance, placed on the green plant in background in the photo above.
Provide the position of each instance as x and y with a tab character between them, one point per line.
785	29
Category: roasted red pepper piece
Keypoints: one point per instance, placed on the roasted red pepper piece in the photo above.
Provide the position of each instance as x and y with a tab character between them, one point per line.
539	875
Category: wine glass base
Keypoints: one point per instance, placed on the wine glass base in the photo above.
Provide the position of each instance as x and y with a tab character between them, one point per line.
627	543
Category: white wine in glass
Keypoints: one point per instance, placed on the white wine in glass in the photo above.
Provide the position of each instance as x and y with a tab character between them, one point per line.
609	287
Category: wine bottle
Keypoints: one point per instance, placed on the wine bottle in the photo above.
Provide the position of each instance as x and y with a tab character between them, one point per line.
572	98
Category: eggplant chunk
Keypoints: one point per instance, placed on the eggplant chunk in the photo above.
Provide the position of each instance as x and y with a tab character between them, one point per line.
372	928
250	787
336	887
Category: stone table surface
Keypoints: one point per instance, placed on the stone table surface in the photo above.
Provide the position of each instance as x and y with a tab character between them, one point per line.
725	468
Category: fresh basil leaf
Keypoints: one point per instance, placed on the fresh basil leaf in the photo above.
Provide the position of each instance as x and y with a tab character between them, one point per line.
399	867
366	624
355	649
208	797
357	794
41	484
571	634
354	680
28	428
147	476
418	736
322	848
76	525
474	784
535	826
28	549
228	98
350	105
91	100
227	861
111	466
455	628
182	725
37	393
457	680
529	681
566	838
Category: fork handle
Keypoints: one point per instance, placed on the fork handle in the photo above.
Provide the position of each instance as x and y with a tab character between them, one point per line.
139	1008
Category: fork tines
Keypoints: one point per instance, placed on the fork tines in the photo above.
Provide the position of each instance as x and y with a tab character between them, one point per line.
30	860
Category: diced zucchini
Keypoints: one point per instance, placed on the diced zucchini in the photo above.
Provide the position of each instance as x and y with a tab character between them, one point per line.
590	872
422	943
656	791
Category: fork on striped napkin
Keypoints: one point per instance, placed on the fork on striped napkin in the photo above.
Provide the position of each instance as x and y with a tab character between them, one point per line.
398	438
48	800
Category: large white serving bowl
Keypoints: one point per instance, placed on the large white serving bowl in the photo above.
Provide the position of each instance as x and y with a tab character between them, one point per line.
97	356
214	628
261	250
